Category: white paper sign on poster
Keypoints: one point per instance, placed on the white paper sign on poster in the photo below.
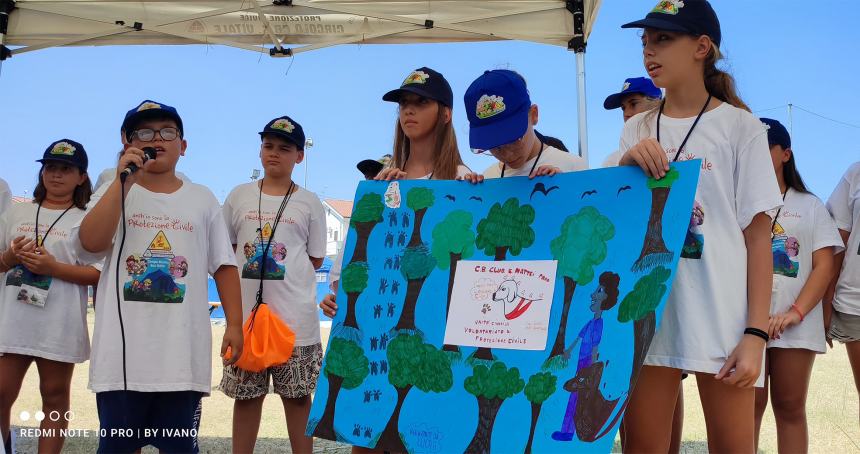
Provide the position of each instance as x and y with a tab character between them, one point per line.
501	304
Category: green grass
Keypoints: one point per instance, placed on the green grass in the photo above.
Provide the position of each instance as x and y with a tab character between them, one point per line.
832	410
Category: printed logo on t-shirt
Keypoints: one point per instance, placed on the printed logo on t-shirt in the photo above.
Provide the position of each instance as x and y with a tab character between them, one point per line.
275	268
157	275
694	243
785	250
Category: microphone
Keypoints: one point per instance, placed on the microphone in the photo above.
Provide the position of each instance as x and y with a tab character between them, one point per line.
148	153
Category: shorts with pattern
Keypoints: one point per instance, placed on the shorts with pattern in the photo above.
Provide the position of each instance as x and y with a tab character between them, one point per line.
844	328
294	379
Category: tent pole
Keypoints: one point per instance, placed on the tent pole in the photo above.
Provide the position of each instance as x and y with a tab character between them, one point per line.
6	7
582	115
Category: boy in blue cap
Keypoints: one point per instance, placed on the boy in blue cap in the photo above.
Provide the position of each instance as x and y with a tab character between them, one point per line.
501	121
276	217
637	95
151	358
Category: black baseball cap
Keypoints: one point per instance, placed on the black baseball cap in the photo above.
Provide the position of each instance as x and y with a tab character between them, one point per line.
146	110
776	133
66	151
424	82
287	129
695	17
373	166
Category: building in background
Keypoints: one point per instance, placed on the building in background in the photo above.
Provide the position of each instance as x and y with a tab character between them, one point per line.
337	214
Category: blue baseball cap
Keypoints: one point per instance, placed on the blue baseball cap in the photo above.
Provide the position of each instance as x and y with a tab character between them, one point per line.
424	82
147	110
695	17
66	151
497	104
287	129
642	85
776	133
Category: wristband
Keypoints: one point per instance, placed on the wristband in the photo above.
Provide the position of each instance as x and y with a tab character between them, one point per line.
758	333
796	309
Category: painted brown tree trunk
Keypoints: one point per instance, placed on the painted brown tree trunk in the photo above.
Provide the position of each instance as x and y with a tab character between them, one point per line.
452	270
501	253
643	332
535	414
653	243
407	315
415	240
558	346
325	426
390	439
359	254
487	411
350	319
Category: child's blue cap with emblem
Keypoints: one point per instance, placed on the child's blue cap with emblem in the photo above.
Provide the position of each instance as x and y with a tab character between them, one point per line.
148	110
66	151
694	17
287	129
641	85
497	104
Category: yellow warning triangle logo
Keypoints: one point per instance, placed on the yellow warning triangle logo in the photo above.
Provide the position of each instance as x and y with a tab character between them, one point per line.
160	243
267	231
777	229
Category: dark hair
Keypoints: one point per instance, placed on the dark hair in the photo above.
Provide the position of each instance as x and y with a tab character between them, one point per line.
551	141
609	281
791	175
720	84
80	198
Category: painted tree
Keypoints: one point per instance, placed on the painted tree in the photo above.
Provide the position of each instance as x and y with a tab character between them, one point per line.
412	364
579	248
419	200
417	263
353	280
507	228
491	386
365	216
540	386
453	240
654	251
346	368
639	306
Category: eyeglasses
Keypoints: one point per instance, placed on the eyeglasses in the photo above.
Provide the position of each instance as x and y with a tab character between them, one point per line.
500	147
148	135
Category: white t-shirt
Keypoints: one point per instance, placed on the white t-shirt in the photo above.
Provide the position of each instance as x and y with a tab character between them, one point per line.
58	331
706	312
844	206
290	280
173	243
106	178
5	198
802	227
613	159
551	156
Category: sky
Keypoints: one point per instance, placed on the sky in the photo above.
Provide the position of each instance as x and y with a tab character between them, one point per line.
780	51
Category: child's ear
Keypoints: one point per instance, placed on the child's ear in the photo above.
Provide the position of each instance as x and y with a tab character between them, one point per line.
786	154
184	146
704	47
447	114
534	115
300	156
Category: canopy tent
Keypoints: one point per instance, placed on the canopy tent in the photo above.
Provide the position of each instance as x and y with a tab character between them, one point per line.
289	27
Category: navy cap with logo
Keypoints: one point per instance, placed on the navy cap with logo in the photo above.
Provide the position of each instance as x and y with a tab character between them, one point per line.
776	133
66	151
370	167
641	85
148	110
497	104
287	129
424	82
695	17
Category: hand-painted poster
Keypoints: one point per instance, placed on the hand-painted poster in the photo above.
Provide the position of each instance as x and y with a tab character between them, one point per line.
390	381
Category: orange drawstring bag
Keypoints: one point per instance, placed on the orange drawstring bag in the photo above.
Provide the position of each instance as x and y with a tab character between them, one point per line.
268	341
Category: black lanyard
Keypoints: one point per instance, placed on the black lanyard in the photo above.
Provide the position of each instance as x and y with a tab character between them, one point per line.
283	206
773	224
542	146
42	243
689	133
